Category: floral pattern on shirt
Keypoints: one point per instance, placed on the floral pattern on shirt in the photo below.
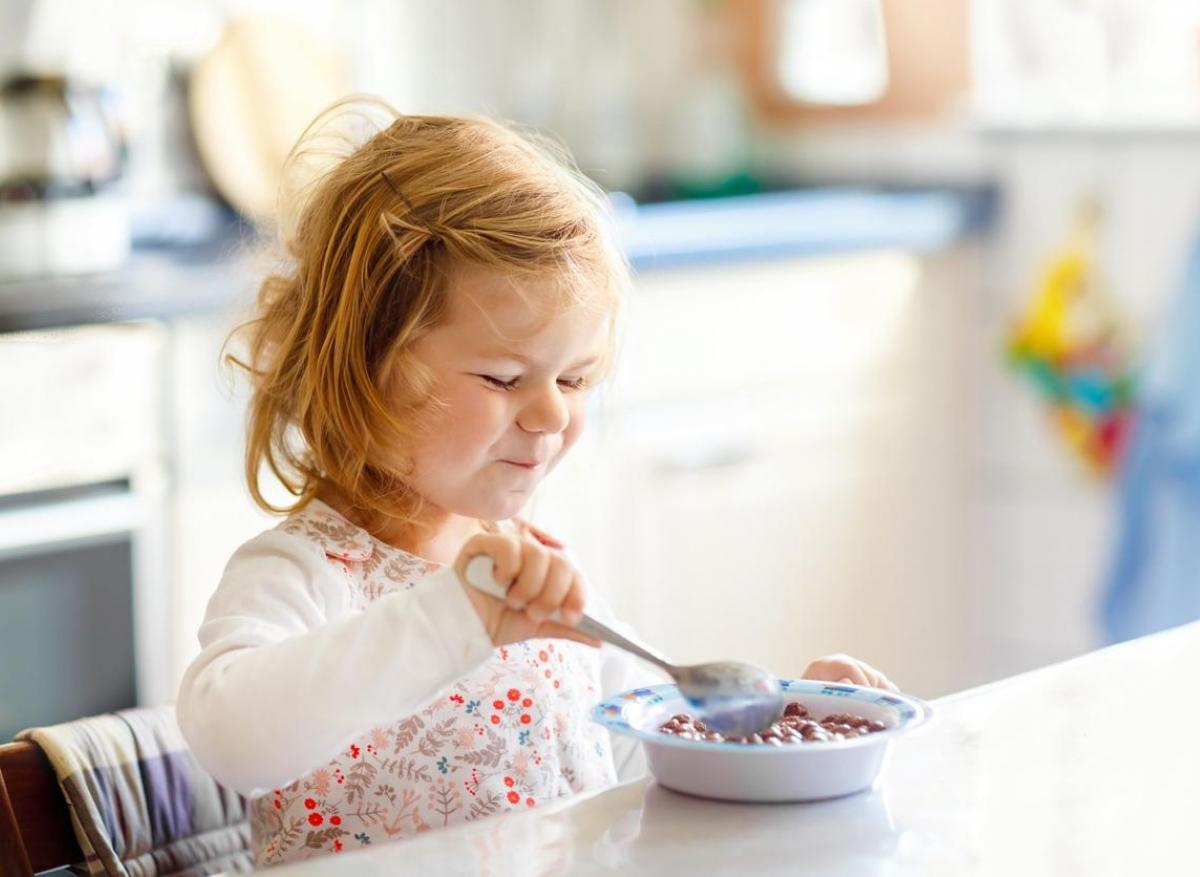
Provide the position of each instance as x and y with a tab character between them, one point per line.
512	734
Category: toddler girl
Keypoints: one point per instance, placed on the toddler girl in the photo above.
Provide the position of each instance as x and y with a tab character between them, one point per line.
417	368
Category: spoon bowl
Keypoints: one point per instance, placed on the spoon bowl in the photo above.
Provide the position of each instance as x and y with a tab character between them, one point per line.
734	699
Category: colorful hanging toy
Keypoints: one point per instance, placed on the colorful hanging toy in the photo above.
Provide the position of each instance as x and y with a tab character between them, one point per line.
1068	345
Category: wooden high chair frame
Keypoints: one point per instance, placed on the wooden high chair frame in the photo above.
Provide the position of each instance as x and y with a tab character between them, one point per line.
35	827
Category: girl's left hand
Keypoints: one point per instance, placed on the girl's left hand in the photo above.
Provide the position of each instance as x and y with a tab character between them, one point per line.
843	668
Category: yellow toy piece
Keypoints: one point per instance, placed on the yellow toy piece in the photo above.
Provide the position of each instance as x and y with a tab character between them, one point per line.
1067	344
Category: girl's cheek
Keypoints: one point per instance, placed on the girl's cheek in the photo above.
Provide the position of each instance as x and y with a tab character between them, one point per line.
574	427
481	407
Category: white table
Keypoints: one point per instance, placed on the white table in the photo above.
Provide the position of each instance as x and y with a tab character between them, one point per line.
1053	772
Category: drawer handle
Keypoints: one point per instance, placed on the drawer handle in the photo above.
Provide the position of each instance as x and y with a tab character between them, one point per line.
41	528
705	459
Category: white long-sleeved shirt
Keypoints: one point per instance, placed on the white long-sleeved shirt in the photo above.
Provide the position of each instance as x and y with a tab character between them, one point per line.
286	626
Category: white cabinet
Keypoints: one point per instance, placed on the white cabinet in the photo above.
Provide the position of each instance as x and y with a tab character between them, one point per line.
79	406
779	470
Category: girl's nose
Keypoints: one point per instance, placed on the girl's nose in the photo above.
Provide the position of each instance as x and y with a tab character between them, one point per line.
545	412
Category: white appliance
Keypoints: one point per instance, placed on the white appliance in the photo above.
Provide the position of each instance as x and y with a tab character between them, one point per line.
85	611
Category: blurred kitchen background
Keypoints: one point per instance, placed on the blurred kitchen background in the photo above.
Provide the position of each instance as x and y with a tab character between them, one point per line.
907	361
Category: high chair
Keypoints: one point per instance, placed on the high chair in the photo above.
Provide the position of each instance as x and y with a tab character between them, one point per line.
35	830
114	794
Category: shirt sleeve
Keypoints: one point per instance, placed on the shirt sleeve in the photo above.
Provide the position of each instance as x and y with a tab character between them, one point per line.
288	673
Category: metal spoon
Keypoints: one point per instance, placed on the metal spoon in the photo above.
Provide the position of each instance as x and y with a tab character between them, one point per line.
733	699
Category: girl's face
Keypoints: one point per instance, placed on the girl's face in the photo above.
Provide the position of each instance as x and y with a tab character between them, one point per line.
511	379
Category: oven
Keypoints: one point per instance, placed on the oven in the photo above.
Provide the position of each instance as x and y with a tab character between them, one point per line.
85	601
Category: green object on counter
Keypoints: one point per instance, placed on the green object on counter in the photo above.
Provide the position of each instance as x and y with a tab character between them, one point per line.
685	188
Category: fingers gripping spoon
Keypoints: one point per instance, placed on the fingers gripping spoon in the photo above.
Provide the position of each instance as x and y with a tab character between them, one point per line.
734	699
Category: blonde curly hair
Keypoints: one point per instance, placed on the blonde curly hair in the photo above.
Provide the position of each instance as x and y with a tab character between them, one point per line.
368	238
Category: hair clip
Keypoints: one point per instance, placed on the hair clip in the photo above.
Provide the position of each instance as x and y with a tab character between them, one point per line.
400	195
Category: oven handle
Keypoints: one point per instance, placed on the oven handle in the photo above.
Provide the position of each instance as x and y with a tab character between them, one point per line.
69	523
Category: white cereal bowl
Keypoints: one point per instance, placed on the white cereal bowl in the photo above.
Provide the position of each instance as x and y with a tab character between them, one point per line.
806	771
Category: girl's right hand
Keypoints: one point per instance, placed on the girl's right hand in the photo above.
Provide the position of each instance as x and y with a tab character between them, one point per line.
539	582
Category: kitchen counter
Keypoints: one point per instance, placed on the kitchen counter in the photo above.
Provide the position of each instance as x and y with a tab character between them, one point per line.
219	275
1042	774
799	222
157	283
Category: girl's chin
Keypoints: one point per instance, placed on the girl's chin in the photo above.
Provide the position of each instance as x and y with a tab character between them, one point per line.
497	507
508	508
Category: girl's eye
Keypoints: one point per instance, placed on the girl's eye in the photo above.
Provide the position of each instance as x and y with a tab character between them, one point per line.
511	383
500	383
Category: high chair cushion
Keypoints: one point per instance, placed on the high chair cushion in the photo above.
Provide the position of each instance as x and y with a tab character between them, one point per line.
139	802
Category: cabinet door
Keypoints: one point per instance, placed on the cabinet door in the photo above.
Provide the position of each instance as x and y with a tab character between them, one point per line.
778	471
781	546
740	554
79	406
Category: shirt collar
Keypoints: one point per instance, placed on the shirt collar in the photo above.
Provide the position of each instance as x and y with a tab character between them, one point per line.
337	537
343	540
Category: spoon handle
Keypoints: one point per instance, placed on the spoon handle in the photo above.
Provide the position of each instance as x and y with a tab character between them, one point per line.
589	626
479	576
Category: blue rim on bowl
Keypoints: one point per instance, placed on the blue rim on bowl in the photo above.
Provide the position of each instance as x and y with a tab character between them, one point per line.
910	712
